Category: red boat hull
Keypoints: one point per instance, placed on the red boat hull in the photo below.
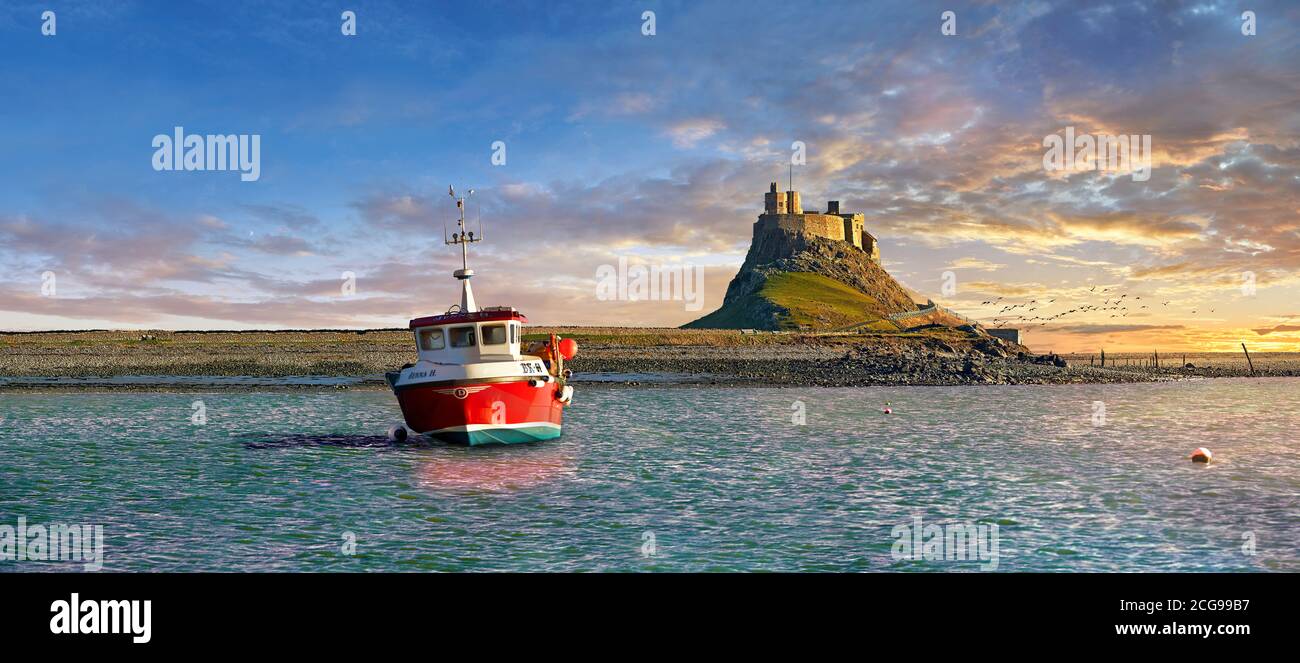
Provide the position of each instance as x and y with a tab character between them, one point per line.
483	413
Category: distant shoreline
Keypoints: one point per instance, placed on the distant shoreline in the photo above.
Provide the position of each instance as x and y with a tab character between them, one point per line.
621	356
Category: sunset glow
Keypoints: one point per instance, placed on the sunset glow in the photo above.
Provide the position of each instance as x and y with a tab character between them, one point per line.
621	146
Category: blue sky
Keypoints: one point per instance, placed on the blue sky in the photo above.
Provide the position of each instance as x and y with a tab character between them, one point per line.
656	147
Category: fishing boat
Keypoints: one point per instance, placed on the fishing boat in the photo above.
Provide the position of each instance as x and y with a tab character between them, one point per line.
476	381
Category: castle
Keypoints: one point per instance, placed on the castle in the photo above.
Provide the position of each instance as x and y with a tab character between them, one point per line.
783	210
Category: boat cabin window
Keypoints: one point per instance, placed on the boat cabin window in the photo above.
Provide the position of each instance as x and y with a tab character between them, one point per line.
494	334
514	333
462	337
430	339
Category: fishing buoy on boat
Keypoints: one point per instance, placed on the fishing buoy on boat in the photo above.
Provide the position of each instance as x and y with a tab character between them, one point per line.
397	433
1202	455
568	349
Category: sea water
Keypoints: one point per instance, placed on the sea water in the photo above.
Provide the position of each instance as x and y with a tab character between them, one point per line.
671	478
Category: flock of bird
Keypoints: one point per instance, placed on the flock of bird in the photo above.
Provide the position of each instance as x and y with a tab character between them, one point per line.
1118	305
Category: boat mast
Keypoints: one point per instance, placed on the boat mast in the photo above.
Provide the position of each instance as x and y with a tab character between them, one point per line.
464	239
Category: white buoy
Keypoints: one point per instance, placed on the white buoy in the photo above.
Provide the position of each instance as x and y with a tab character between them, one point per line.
397	433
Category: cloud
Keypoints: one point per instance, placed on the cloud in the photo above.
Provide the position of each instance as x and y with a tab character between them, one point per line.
273	244
661	148
1277	329
396	211
291	216
687	133
975	264
1006	289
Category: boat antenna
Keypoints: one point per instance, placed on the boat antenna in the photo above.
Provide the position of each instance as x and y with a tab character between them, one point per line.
464	239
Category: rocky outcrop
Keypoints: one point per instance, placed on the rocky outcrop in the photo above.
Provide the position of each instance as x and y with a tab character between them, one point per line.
776	250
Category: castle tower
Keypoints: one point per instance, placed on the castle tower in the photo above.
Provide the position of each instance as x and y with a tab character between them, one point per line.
774	202
853	228
793	205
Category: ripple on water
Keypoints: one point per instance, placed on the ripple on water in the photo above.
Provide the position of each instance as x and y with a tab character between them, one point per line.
705	478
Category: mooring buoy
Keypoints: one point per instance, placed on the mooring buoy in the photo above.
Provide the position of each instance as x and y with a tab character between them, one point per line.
397	433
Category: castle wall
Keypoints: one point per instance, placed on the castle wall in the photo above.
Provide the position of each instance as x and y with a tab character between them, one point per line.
852	228
820	225
870	246
784	210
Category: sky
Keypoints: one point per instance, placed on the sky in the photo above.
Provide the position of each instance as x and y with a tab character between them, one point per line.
587	140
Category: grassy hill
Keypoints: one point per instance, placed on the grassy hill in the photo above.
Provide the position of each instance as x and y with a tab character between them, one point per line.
801	300
792	280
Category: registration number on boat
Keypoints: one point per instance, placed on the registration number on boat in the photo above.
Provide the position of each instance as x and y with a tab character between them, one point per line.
532	368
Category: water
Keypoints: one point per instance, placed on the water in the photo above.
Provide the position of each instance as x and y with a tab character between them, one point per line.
706	478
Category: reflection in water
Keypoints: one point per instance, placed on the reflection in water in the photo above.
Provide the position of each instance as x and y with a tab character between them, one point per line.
498	468
298	440
456	467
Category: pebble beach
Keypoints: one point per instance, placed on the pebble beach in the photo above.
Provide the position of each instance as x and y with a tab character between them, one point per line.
617	356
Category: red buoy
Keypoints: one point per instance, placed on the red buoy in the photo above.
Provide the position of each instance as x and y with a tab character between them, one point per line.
1202	455
568	348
